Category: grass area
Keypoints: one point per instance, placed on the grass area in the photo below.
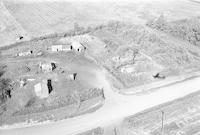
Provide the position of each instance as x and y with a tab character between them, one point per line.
53	113
96	131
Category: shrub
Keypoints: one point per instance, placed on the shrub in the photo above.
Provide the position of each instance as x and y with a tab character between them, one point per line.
5	89
187	29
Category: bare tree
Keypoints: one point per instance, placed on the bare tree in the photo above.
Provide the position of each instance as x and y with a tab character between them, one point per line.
76	27
162	126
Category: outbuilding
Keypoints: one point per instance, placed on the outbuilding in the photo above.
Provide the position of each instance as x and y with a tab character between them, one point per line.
71	77
127	69
22	82
78	46
57	48
25	53
47	67
41	89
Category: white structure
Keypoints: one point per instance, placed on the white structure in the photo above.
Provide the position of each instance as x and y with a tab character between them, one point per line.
25	53
57	48
30	79
46	67
122	59
116	59
39	53
41	89
22	82
78	46
127	69
71	77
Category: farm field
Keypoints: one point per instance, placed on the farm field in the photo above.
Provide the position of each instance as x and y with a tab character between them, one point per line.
33	19
176	120
10	29
56	17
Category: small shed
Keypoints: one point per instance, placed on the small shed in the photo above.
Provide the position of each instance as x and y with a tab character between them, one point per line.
78	46
47	67
41	89
66	48
57	48
22	82
127	69
71	76
25	53
116	59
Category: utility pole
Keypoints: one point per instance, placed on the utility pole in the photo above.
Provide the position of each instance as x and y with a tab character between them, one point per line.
115	131
162	127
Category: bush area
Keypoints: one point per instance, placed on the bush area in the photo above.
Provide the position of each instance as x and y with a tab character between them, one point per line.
55	101
163	51
187	29
38	105
5	86
175	58
91	93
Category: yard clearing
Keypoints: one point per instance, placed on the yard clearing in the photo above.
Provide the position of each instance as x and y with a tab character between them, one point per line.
71	80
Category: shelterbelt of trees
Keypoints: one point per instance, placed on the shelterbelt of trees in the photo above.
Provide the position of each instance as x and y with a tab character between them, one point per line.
187	29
